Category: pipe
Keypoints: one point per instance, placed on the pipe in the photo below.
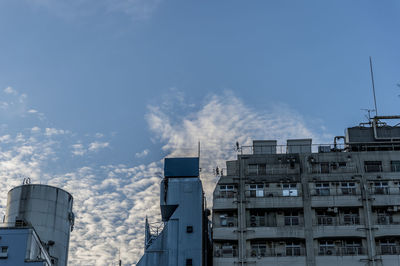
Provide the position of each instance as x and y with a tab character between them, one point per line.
336	138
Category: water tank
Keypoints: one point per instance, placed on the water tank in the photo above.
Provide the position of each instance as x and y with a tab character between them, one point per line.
49	210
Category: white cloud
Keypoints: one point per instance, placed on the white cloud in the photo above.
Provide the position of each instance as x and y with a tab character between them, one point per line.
95	146
142	154
10	90
54	131
78	149
71	9
32	111
35	129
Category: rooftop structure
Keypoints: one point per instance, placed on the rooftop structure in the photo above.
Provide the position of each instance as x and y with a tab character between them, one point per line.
304	204
45	214
183	241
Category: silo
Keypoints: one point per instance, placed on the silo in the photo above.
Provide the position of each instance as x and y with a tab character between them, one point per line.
49	210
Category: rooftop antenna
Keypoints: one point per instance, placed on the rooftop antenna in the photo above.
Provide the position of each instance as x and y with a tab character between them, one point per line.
373	84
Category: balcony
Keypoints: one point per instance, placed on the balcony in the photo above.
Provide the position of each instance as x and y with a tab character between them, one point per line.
226	252
277	252
387	249
333	199
341	251
224	200
274	200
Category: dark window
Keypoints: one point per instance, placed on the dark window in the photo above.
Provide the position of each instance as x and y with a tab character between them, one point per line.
189	229
189	262
395	166
373	166
324	168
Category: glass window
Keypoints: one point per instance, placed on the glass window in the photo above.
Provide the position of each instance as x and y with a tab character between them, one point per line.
381	188
373	166
256	190
226	191
351	217
388	247
258	249
322	189
289	190
326	247
348	188
324	168
293	249
395	166
291	218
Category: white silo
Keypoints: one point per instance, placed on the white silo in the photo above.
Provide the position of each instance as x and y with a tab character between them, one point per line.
49	210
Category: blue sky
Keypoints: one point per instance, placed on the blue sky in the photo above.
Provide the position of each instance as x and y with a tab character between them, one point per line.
93	94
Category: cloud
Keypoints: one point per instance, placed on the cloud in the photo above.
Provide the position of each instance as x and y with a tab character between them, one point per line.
10	90
54	131
78	149
111	201
32	111
72	9
95	146
142	154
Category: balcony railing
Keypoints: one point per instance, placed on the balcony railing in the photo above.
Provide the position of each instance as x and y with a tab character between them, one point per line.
335	221
388	249
276	252
226	252
335	192
224	194
286	193
341	251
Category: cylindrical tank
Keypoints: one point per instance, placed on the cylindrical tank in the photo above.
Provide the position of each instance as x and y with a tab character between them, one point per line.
49	210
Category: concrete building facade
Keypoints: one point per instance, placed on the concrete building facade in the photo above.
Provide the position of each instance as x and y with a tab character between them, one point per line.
304	204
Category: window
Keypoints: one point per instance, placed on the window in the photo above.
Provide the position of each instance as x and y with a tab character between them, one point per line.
262	169
189	229
381	188
189	262
293	249
256	190
324	168
4	252
325	218
291	218
226	191
384	217
322	189
348	188
352	247
289	190
351	217
252	169
257	218
258	249
388	247
373	166
326	247
395	166
227	219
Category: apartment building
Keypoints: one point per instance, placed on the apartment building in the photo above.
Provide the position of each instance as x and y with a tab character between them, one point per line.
305	204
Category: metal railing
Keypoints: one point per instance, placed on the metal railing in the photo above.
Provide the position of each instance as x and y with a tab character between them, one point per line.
335	221
387	249
276	252
224	194
335	192
340	251
268	194
226	252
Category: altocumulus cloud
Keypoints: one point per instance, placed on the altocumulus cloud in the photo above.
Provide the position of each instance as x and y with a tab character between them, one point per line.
112	200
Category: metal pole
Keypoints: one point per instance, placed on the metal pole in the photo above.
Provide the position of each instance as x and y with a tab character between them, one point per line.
373	85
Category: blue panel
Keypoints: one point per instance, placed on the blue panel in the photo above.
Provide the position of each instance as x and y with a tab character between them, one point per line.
181	167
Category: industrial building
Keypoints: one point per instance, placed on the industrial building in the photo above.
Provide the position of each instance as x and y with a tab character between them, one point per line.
184	239
37	226
304	204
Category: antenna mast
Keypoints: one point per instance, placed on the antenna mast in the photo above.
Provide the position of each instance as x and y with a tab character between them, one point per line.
373	84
